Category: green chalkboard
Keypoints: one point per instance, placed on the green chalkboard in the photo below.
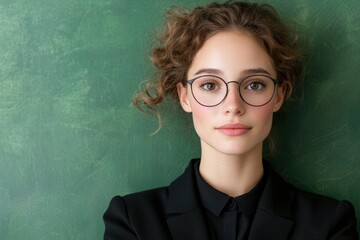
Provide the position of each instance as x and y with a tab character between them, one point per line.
69	139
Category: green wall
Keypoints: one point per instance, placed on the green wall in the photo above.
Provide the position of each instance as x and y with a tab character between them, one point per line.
69	139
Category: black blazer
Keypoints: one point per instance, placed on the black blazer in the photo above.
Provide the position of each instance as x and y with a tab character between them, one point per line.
175	212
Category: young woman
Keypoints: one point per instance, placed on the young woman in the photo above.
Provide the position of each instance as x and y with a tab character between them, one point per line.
231	65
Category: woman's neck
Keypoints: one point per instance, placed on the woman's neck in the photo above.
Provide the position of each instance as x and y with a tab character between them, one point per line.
233	175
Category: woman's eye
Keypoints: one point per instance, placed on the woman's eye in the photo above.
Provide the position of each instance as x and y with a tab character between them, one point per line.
209	86
255	86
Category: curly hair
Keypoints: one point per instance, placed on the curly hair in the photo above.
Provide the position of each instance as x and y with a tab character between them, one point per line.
187	30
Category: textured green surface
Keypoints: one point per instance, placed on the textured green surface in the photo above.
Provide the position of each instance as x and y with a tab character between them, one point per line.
69	140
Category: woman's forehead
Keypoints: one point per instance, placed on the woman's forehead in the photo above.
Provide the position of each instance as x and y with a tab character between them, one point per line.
232	51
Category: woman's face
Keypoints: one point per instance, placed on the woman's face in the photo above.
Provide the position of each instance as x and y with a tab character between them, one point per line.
232	127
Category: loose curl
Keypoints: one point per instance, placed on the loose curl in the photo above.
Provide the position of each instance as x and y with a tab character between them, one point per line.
187	30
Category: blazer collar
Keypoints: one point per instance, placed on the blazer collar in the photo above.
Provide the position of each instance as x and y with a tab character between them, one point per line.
185	217
273	218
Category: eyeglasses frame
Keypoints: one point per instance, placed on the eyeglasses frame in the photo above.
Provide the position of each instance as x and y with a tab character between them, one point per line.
275	81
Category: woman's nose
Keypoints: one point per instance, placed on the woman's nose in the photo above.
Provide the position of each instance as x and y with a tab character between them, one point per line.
233	103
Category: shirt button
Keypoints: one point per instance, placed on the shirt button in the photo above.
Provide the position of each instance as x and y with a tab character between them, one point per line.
232	205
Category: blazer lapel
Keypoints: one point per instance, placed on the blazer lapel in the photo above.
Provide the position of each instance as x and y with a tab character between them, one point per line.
185	217
270	227
189	226
273	219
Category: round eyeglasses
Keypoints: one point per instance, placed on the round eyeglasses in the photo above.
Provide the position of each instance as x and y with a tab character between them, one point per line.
255	90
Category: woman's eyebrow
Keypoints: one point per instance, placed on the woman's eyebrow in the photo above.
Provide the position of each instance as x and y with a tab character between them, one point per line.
246	72
213	71
251	71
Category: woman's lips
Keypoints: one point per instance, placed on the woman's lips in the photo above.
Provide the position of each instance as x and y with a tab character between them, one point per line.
234	129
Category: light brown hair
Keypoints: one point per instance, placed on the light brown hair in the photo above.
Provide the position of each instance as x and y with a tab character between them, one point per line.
186	31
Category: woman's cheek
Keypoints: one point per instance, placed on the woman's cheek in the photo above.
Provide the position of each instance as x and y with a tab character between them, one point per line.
263	116
202	117
199	114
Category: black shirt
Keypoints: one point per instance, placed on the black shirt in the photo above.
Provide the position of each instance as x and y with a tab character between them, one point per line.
228	218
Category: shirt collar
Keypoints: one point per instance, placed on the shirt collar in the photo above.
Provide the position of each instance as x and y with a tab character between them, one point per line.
216	201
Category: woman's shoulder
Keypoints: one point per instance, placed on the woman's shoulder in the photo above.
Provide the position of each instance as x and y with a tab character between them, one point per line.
319	213
148	194
136	215
316	200
312	213
304	199
308	202
142	199
320	206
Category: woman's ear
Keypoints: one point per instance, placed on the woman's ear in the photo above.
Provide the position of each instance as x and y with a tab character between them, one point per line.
279	97
183	97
